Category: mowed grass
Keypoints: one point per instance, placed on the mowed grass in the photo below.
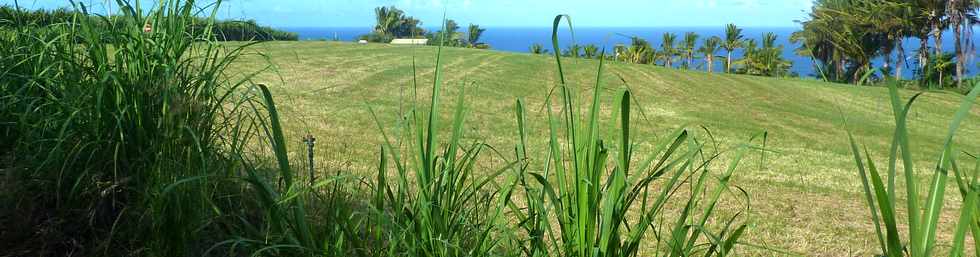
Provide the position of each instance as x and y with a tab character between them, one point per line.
805	195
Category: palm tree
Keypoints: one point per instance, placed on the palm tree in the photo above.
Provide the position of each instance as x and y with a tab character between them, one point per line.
451	33
667	50
893	20
841	35
936	11
905	13
639	51
708	48
903	19
388	19
733	40
393	23
574	51
689	47
473	34
927	16
748	57
620	52
770	56
930	19
937	70
637	55
922	33
962	16
591	51
538	49
819	49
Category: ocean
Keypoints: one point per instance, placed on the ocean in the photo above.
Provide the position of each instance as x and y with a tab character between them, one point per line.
519	39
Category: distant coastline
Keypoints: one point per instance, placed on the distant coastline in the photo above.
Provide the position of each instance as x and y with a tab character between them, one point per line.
519	39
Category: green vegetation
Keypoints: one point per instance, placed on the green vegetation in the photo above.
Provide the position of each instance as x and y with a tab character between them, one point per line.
473	34
922	225
164	144
764	60
573	51
106	142
639	52
538	49
688	49
156	133
806	183
733	41
667	49
709	48
248	30
392	23
590	51
454	38
844	36
592	195
450	34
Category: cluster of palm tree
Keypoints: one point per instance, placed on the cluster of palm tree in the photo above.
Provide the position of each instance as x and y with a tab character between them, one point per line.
538	49
764	60
393	23
844	36
451	36
639	51
589	51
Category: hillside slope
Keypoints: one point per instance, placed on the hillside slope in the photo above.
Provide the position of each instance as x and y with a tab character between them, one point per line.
805	196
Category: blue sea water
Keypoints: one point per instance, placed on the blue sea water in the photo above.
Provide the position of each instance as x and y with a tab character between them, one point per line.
519	39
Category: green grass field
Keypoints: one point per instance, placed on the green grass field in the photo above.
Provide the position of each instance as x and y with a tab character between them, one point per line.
805	196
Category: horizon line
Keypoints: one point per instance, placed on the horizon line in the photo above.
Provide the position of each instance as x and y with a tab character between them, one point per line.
549	27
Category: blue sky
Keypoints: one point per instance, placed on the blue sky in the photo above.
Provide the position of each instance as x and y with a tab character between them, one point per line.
509	13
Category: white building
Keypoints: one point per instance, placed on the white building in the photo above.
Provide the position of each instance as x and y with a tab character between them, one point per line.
409	41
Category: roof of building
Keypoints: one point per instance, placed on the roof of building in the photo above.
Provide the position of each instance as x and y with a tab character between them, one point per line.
409	41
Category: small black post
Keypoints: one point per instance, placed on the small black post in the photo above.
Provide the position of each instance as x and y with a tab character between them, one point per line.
310	141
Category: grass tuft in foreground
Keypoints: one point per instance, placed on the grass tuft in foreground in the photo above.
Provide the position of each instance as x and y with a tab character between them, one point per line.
150	134
440	203
594	198
128	148
923	220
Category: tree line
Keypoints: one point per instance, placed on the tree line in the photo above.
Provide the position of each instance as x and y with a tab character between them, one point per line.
226	30
695	52
842	37
392	23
